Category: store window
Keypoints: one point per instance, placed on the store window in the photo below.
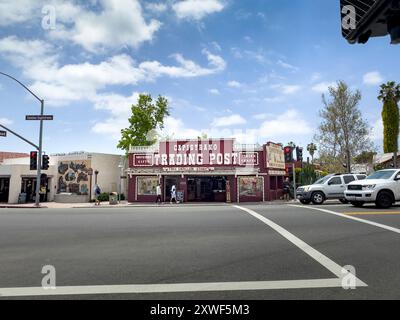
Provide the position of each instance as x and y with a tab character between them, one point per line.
147	186
250	186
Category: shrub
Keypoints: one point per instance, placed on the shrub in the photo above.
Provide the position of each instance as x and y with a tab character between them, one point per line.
104	197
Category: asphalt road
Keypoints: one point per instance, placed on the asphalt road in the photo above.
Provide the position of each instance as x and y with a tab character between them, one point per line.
230	250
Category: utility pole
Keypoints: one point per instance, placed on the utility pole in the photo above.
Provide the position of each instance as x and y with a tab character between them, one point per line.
294	180
40	148
39	167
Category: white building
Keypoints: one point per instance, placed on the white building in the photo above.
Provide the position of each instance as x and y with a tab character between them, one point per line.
68	179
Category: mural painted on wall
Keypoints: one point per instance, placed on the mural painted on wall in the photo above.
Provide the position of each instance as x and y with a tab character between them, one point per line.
73	177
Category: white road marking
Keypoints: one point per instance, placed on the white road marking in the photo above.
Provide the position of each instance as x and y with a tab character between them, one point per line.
375	224
313	253
174	288
203	287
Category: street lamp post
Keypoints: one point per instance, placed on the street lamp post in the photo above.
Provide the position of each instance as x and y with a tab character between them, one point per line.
40	149
121	166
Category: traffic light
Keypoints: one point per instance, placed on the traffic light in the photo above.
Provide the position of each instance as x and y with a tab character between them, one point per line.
288	154
33	160
299	154
45	162
290	171
363	19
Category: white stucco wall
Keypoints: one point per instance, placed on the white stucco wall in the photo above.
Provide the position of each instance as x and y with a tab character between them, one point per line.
16	169
107	165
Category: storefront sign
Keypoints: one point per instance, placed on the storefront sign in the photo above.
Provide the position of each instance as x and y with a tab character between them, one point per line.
189	169
143	160
196	154
248	159
276	173
275	156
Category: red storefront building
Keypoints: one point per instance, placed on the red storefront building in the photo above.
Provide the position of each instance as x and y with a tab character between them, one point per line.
207	170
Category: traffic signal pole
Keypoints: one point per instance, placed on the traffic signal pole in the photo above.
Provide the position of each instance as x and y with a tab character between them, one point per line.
294	180
39	167
19	136
40	148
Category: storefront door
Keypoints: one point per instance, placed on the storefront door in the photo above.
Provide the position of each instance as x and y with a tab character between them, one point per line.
168	183
4	189
28	189
207	189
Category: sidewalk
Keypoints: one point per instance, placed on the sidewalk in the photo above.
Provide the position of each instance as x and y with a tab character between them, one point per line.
125	204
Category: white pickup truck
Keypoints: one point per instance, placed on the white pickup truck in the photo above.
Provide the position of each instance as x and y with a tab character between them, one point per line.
382	188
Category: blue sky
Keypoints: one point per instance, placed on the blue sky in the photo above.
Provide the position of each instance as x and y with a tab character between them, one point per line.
254	70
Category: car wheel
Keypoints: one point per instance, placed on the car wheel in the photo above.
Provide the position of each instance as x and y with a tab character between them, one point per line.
384	200
357	204
305	201
318	198
344	201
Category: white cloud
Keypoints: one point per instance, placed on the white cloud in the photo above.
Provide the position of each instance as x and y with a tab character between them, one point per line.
261	116
287	89
288	124
59	85
279	128
288	66
186	68
373	78
119	24
234	84
156	7
229	121
5	121
197	9
214	91
323	87
12	12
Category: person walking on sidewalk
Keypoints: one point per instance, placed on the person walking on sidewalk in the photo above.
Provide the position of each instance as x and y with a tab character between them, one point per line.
173	194
97	192
286	189
159	194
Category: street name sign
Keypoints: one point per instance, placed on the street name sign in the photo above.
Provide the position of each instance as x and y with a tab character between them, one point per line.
39	118
3	133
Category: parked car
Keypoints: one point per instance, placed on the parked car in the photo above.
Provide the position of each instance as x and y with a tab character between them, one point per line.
330	187
381	187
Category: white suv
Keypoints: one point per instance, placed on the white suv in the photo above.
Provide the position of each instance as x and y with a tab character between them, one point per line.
381	187
330	187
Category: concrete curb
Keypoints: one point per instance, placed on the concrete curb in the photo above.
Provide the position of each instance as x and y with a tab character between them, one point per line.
147	205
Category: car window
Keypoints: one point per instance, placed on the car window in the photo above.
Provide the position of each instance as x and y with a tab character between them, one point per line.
322	180
335	181
361	177
381	175
348	179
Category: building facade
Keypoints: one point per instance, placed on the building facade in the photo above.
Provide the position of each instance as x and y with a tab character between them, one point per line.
214	170
70	178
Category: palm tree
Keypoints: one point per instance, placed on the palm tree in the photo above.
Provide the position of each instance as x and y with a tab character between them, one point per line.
291	144
311	148
390	95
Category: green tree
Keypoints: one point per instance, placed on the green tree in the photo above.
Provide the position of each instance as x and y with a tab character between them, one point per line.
390	95
365	157
147	117
343	133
